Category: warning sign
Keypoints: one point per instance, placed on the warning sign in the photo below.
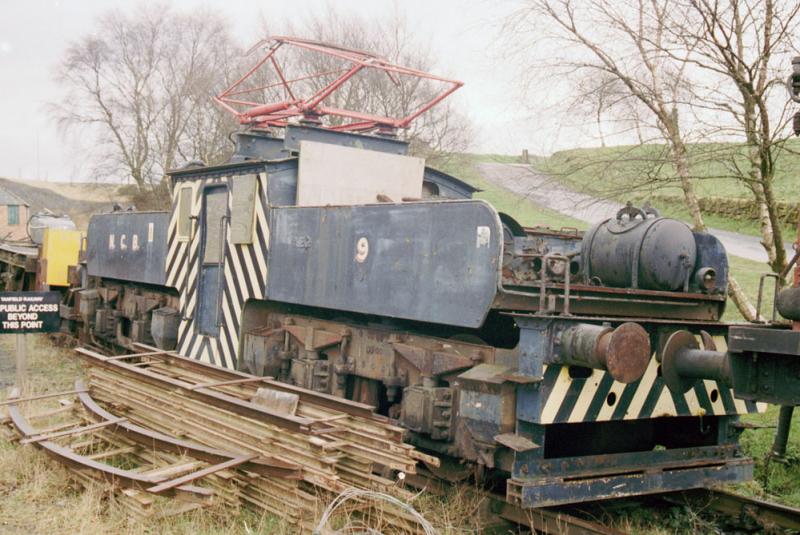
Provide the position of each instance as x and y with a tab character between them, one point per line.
29	312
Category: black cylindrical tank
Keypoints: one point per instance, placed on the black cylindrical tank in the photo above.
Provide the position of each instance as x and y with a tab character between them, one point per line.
634	251
788	303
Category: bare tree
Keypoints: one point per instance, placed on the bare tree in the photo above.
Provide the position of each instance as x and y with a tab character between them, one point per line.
141	85
602	39
440	131
624	41
742	47
596	97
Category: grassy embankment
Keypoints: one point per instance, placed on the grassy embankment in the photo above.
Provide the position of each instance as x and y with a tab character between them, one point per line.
632	173
636	173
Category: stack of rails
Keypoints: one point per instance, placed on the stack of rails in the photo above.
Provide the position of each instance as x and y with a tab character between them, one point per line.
334	444
96	453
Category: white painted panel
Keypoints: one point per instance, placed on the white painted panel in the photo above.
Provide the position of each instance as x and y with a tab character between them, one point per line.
336	175
243	207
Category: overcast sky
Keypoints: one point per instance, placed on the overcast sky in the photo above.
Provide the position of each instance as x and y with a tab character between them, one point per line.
461	33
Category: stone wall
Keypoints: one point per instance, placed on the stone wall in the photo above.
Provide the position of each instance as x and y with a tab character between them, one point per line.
733	208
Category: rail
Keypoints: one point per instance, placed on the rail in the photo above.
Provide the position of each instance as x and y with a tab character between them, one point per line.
767	515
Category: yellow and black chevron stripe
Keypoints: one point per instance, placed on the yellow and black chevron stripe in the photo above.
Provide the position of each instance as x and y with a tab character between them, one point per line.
244	275
599	398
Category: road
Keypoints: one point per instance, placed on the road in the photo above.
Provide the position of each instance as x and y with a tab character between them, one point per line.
545	191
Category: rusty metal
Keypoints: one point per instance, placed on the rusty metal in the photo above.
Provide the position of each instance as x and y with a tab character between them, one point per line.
305	94
71	432
158	441
329	408
599	301
770	516
624	352
343	450
354	408
683	363
111	474
292	423
194	476
17	401
397	359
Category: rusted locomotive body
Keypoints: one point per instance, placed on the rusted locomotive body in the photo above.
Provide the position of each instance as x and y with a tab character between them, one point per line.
124	297
333	260
530	352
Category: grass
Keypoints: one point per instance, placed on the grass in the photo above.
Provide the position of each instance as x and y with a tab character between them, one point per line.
645	166
38	496
747	274
775	479
636	172
526	212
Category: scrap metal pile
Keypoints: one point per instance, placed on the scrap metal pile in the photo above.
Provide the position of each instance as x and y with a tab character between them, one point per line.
154	424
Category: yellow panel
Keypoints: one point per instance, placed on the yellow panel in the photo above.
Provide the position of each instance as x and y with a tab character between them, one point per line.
60	249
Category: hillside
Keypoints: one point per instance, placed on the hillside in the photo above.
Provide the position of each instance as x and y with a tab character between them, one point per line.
640	173
79	201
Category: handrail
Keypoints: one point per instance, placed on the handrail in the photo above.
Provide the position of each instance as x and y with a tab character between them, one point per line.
223	249
188	267
761	296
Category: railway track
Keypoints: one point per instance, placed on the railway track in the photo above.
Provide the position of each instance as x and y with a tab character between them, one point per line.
723	511
229	389
748	513
732	513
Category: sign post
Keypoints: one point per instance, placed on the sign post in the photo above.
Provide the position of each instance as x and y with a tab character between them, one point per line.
27	312
22	359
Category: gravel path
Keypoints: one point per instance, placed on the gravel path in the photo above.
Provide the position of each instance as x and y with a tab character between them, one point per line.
543	190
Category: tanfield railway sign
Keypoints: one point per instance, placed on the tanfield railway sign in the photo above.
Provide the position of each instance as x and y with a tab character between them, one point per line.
29	312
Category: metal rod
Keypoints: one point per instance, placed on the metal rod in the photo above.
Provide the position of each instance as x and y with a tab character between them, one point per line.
10	400
22	359
782	433
71	432
188	478
227	383
223	223
761	295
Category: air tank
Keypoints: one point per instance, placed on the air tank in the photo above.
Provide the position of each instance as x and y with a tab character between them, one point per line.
637	249
43	220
